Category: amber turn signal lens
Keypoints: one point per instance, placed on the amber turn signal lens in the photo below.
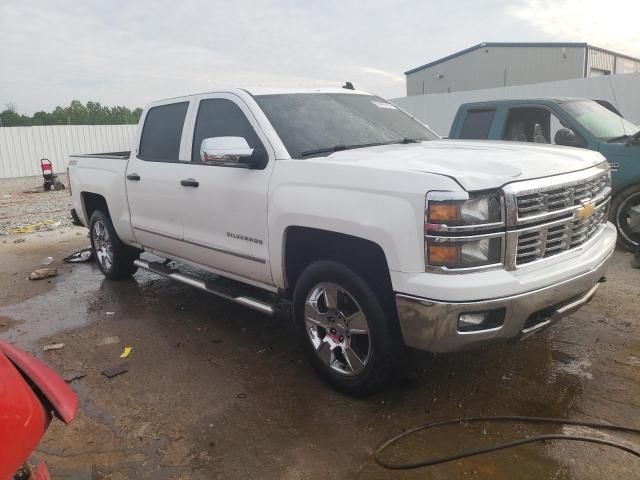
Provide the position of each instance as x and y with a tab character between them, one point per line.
443	212
443	255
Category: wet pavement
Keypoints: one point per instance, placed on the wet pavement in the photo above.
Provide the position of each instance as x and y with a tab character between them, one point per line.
214	390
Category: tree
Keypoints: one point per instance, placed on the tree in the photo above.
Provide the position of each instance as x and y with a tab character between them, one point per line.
93	113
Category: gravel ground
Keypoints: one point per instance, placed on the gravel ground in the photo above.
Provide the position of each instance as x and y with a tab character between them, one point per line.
26	208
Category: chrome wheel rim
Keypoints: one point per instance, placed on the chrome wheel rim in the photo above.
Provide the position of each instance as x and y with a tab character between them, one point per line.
337	329
628	219
102	245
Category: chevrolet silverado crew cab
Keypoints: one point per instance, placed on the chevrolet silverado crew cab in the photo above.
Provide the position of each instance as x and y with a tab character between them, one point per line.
339	207
574	122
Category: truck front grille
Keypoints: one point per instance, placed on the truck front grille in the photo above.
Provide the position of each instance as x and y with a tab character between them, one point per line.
547	240
553	215
560	198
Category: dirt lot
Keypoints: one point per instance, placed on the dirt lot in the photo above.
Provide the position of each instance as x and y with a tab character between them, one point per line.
25	207
217	391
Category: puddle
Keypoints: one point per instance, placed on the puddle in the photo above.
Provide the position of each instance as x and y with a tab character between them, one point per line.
61	308
577	368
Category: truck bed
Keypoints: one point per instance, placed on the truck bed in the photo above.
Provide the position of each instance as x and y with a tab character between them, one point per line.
114	155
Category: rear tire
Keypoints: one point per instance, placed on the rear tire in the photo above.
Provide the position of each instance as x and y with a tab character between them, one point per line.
344	329
114	258
625	215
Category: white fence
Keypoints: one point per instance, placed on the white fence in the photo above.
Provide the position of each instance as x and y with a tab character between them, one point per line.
21	148
438	109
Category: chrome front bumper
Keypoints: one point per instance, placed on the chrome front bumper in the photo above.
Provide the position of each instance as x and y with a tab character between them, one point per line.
433	325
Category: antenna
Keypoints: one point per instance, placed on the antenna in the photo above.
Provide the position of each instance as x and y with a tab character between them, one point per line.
348	86
615	99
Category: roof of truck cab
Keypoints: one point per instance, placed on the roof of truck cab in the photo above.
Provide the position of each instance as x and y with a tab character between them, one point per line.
270	91
526	100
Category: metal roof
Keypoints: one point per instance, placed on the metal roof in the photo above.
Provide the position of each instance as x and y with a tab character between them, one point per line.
516	44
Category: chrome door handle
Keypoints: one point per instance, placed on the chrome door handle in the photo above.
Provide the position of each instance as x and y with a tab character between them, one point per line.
189	182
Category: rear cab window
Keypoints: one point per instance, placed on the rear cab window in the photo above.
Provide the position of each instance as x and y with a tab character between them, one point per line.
477	123
162	131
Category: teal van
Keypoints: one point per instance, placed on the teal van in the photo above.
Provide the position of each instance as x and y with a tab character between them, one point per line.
570	122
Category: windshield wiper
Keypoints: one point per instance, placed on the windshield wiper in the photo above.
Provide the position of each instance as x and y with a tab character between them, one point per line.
633	138
338	148
617	139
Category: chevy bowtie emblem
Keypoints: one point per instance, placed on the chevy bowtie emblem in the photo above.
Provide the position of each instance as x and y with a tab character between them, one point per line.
585	211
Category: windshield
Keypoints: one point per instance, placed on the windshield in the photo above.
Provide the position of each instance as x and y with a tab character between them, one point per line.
312	124
601	122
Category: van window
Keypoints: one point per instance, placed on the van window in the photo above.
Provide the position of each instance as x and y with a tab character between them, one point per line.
477	124
219	117
160	141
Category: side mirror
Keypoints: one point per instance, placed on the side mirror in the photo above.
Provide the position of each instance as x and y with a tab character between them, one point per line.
232	151
568	138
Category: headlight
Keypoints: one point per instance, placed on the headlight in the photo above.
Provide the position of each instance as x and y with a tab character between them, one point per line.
459	209
464	252
464	230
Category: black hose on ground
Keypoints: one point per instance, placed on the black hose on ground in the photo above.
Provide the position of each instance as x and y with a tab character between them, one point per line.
503	446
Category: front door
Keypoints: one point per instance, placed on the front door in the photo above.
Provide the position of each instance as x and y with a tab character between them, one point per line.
225	217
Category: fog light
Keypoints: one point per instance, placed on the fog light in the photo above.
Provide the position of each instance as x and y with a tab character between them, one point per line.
477	321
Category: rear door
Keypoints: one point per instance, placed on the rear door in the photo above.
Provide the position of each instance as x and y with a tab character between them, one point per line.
153	179
225	217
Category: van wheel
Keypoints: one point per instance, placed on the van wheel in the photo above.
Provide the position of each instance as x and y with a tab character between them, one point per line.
344	329
114	258
625	214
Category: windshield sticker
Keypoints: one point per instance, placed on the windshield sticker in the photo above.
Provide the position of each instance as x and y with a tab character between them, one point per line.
383	105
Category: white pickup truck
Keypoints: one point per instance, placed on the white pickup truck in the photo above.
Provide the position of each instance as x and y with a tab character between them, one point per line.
374	230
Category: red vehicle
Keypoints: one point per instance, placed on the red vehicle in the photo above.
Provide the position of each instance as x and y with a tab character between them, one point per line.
30	395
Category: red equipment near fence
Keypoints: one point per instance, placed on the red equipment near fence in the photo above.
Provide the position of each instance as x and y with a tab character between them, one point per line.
50	178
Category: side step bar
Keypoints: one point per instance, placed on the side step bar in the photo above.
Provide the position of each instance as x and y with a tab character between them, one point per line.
223	291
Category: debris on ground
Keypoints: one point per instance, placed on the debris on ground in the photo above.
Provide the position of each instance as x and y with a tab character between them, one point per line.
74	375
114	371
126	352
111	313
43	273
109	340
140	433
32	227
19	240
53	346
83	255
47	260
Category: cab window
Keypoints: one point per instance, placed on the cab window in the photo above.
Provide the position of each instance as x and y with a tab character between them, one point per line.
531	124
477	124
219	117
162	131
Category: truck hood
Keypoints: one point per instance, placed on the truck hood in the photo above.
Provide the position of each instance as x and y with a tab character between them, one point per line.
478	165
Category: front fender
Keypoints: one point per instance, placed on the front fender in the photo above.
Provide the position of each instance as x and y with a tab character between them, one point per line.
383	207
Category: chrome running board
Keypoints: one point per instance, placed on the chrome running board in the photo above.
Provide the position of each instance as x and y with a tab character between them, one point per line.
223	288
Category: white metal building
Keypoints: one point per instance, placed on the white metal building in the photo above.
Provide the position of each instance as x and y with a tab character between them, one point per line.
491	65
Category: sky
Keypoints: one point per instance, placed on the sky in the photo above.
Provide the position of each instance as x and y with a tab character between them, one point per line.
121	52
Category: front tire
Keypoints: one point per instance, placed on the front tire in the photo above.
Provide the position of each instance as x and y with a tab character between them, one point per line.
625	214
344	329
114	258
